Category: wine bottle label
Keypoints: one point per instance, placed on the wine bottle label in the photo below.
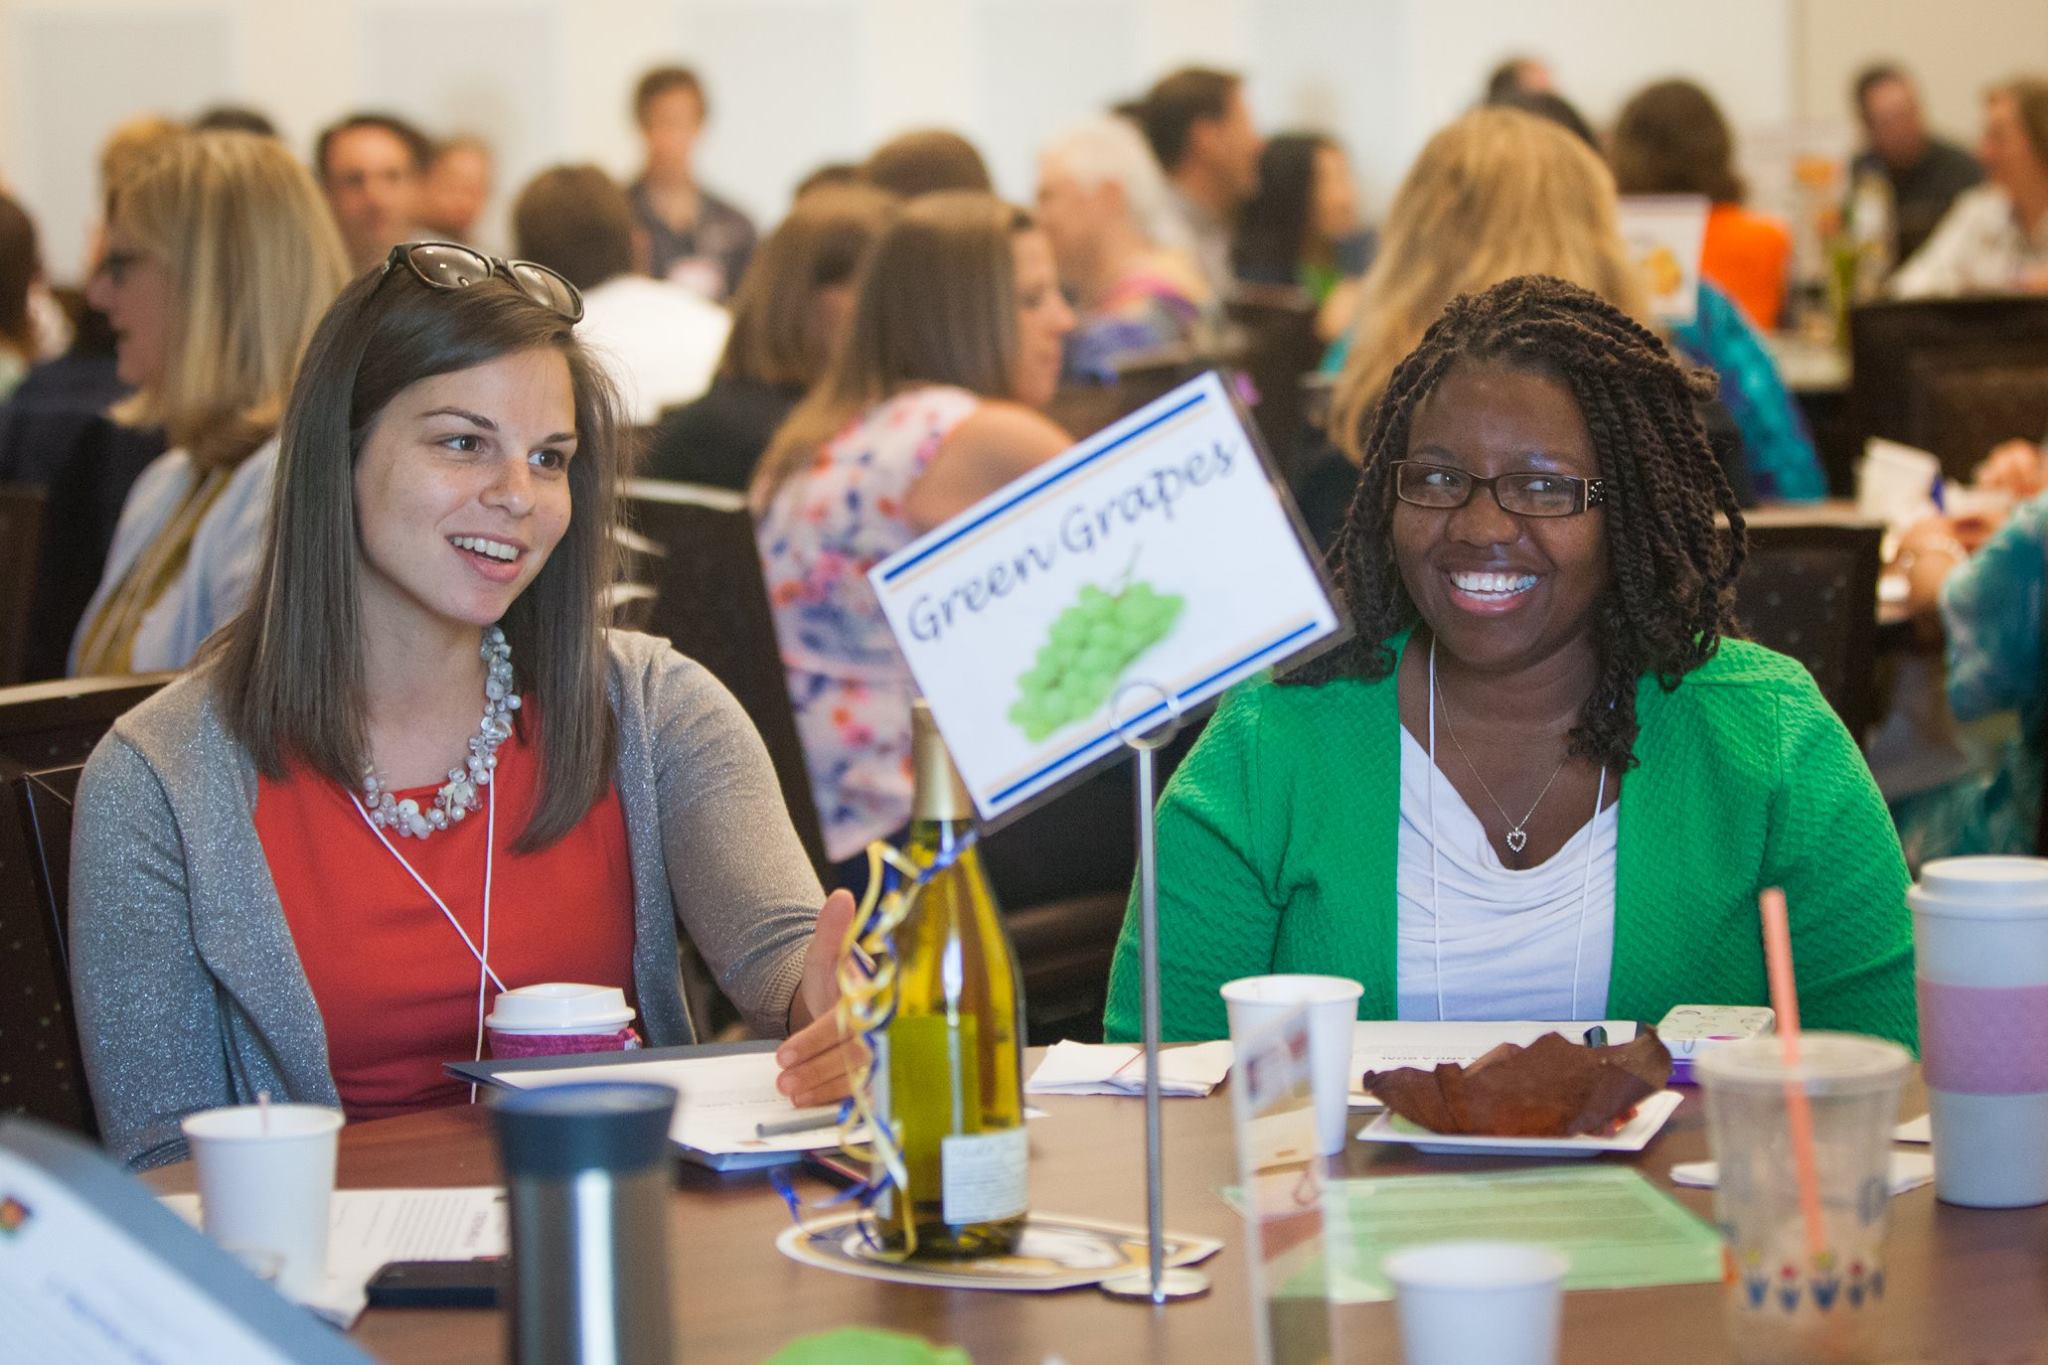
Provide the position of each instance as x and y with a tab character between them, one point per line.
986	1176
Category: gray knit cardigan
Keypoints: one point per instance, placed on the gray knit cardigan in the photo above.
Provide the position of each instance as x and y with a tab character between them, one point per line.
189	993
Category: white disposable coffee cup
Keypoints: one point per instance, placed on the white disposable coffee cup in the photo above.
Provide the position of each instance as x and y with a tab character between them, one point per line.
1980	935
1464	1302
266	1177
559	1017
1256	1003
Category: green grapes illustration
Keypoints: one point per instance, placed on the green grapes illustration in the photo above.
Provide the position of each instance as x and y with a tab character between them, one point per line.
1087	651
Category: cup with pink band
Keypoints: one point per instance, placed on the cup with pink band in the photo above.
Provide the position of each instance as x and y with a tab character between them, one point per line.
557	1018
1980	933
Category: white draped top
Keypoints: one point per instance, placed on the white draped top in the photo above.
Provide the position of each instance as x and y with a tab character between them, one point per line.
1503	943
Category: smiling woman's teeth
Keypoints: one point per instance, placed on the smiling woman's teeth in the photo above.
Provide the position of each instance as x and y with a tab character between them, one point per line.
494	549
1493	585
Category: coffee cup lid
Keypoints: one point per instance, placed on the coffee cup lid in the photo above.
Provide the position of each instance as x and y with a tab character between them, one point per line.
559	1007
1982	888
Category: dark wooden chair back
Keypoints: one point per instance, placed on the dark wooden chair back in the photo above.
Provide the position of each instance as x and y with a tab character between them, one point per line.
21	538
709	600
1278	323
49	724
41	1072
1950	376
1810	590
46	732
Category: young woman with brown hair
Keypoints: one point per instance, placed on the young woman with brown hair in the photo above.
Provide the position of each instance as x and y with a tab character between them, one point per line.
929	405
306	867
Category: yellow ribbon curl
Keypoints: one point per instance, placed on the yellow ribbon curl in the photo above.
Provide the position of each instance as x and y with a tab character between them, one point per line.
868	971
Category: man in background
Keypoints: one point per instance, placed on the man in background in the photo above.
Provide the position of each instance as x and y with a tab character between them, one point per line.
1518	76
1925	174
694	238
457	189
1201	130
660	341
373	168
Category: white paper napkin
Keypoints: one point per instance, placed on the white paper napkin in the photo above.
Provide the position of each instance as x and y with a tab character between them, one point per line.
1914	1130
1116	1069
1910	1170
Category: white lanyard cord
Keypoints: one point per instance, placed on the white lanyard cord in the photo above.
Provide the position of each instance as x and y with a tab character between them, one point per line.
1586	890
1435	919
483	958
1436	923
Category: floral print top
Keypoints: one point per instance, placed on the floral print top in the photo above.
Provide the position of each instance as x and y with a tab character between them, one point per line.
849	686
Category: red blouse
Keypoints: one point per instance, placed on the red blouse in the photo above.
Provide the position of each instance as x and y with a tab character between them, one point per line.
395	986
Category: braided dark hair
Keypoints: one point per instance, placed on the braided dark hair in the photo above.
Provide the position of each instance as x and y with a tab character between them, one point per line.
1670	598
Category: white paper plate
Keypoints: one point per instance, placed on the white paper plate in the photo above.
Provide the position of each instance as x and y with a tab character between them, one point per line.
1633	1136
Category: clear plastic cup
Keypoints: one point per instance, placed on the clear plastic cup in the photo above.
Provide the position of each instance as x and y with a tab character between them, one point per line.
1800	1296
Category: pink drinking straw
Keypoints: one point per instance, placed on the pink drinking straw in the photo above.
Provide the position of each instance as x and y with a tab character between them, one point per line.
263	1112
1798	1112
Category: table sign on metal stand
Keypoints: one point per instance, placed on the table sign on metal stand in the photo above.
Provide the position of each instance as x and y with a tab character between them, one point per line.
1020	617
1158	1284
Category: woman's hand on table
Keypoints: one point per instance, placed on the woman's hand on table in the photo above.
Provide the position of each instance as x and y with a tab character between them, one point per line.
815	1059
1929	551
2013	467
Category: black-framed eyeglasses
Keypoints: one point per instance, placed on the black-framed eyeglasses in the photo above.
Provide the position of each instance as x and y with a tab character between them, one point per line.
450	265
1524	495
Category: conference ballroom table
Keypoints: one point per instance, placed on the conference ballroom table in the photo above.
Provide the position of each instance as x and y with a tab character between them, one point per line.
1963	1285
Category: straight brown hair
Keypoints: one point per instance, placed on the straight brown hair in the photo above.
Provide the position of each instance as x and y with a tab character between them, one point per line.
819	246
289	669
937	304
2029	95
1671	139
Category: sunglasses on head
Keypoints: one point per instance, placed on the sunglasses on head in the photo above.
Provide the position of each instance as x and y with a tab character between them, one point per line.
446	265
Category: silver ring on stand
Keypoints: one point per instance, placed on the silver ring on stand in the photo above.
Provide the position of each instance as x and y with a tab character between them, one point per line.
1157	738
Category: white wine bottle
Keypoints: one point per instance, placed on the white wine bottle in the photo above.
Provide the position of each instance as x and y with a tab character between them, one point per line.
952	1065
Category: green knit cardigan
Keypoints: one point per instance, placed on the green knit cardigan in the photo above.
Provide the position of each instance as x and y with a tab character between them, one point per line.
1277	842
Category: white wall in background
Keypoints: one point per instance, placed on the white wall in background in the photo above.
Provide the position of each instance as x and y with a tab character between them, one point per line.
1954	49
798	82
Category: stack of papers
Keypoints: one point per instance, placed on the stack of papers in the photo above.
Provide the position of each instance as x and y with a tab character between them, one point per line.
367	1228
721	1101
1118	1069
1388	1045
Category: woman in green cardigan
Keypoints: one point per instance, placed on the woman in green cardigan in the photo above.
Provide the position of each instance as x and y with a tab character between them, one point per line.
1544	780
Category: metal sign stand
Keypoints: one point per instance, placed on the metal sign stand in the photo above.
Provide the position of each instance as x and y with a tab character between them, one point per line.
1159	1283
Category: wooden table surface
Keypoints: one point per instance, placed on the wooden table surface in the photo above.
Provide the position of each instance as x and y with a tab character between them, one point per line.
1963	1285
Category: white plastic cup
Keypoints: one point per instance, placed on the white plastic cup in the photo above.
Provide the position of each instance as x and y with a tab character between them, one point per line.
1980	932
1256	1003
559	1018
1461	1303
266	1178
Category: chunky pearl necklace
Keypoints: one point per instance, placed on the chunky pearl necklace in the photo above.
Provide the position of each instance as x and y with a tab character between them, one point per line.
458	796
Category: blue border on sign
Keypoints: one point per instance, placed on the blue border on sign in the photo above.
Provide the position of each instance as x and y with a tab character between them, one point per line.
1037	488
1083	749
